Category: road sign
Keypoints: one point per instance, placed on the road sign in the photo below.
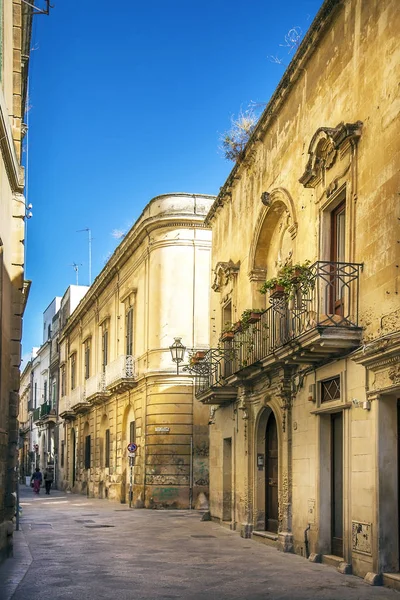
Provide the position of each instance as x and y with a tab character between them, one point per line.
131	454
132	447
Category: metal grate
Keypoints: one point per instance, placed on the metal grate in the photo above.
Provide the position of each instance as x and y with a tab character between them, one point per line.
330	389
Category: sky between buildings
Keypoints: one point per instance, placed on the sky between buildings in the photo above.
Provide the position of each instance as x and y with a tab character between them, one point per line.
128	100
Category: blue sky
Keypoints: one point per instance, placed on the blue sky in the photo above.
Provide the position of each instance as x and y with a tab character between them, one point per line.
128	100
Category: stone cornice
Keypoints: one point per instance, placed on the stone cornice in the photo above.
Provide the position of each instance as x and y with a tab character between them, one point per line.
292	73
15	172
381	352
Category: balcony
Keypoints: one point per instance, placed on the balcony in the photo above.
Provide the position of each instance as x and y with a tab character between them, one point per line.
319	323
95	389
24	427
65	409
77	400
47	414
120	374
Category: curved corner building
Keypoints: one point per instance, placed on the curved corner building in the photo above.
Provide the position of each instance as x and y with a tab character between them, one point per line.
118	383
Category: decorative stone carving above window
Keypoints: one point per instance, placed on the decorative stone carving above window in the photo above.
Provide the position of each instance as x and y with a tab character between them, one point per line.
223	273
324	149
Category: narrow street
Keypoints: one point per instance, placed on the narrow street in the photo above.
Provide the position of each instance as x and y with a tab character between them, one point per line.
71	546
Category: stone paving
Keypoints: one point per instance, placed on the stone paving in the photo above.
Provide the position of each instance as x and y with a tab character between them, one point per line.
75	547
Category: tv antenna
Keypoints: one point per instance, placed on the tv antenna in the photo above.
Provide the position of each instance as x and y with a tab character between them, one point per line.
90	251
76	266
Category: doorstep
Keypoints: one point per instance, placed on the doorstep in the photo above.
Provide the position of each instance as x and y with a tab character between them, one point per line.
332	560
265	537
392	580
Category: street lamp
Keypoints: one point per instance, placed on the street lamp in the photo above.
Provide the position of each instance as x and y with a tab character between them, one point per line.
177	352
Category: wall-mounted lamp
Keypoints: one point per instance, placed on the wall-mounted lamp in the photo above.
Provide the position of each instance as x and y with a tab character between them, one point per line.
177	352
366	404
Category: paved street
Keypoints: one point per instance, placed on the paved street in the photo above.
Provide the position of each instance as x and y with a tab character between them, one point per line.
75	547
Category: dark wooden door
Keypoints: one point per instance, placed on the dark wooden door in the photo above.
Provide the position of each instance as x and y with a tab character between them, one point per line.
73	443
338	248
271	475
337	483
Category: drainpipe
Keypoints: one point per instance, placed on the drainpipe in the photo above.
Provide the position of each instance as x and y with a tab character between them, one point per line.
306	540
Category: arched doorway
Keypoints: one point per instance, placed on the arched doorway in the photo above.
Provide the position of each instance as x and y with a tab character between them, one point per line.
267	472
271	475
73	457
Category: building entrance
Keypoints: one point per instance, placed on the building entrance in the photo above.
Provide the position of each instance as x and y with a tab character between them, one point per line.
337	483
271	475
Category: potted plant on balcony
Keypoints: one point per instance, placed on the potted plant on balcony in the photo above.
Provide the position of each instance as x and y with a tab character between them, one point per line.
250	316
275	286
237	327
290	279
227	333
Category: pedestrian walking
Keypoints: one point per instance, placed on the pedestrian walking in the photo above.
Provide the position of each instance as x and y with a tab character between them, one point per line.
48	477
37	480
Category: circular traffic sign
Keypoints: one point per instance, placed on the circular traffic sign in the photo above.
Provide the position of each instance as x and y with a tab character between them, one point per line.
132	447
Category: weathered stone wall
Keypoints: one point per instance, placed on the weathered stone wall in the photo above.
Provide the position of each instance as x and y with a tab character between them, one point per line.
12	213
345	72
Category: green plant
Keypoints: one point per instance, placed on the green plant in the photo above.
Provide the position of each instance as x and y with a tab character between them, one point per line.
249	317
227	327
233	142
291	278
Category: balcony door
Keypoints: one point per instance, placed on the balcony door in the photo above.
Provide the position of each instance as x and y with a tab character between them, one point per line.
271	475
338	248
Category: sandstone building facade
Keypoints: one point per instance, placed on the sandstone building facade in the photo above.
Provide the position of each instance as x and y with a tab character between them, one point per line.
117	381
304	396
15	27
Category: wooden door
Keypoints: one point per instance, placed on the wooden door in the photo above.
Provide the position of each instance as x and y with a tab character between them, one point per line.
271	475
337	483
227	480
338	248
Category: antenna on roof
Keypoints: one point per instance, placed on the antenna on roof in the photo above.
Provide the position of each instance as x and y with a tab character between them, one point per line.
90	251
76	266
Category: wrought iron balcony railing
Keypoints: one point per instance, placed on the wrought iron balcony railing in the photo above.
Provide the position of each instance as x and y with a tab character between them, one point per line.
326	303
45	409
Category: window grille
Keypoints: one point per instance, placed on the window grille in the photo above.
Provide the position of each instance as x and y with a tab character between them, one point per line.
330	389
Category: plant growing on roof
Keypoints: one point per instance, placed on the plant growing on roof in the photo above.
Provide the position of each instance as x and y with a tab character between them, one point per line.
234	140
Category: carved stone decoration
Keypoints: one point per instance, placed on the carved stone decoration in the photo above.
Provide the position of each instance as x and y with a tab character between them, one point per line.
223	273
394	374
323	150
266	199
